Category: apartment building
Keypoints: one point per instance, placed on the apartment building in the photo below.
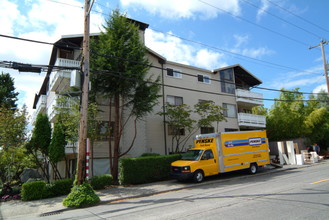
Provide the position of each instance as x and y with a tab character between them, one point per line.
229	87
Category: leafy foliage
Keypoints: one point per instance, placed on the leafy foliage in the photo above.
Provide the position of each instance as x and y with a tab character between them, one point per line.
41	136
81	196
60	187
57	144
8	96
99	182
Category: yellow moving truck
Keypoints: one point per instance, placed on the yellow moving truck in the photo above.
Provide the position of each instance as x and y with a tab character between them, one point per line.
222	152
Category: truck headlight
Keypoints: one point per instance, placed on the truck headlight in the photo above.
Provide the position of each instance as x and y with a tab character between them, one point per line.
186	169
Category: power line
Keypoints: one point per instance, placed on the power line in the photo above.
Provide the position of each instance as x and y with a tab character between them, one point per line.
191	75
279	18
307	21
253	23
121	76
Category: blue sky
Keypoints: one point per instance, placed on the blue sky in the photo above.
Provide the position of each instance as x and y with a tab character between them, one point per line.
270	38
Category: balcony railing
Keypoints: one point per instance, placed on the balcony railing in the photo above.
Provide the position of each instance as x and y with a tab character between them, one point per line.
249	98
52	111
61	77
251	120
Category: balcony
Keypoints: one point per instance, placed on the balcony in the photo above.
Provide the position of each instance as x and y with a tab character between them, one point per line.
53	106
61	78
248	98
250	120
41	106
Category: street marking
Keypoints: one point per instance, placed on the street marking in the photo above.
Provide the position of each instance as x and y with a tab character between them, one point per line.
320	181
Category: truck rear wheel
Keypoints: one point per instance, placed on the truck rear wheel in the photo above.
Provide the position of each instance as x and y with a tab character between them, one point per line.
198	176
253	168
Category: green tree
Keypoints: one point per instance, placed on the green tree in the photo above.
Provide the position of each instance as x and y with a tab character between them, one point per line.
119	56
209	112
12	127
56	149
323	99
41	137
178	118
8	96
317	126
286	117
13	159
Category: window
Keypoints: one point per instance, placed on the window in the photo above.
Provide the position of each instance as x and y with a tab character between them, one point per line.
229	110
174	100
208	154
175	131
66	54
207	130
204	79
227	82
174	73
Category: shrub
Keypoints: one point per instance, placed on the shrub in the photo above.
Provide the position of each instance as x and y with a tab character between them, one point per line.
33	190
145	169
99	182
150	155
60	187
81	196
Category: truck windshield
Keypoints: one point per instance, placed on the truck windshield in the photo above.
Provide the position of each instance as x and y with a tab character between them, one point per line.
192	155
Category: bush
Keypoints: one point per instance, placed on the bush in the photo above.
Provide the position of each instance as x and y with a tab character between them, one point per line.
150	155
99	182
81	196
145	169
60	187
34	190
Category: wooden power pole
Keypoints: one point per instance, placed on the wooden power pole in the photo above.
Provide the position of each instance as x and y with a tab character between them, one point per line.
84	98
325	65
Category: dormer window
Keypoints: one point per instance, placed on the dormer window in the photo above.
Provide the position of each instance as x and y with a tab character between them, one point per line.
174	73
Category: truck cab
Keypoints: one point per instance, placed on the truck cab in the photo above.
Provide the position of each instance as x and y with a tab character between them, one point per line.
195	164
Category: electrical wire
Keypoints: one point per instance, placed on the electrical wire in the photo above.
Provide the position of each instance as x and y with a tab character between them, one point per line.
253	23
289	12
121	76
281	19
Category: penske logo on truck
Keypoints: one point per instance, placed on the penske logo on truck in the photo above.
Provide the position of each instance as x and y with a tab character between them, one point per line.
204	141
250	141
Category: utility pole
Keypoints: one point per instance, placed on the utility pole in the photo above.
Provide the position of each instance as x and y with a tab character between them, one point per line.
84	98
324	61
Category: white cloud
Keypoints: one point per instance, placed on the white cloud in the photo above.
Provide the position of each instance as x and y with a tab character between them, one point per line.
174	9
320	88
240	48
41	20
265	5
174	49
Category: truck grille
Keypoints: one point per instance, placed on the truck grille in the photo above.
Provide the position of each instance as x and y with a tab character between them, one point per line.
176	169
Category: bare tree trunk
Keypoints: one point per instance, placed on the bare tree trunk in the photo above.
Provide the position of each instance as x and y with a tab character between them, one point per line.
115	166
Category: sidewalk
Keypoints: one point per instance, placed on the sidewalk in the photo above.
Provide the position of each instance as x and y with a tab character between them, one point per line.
19	209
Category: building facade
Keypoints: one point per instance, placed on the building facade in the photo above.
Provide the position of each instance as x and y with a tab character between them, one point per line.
229	87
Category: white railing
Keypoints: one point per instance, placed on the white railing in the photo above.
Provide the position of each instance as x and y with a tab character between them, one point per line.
67	62
52	112
247	96
251	120
56	76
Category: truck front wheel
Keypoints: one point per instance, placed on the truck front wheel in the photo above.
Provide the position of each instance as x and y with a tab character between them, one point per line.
198	176
253	168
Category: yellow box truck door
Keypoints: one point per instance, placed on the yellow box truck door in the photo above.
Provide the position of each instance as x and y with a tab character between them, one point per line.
209	163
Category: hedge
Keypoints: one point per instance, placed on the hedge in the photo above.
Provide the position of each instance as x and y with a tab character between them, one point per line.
145	169
99	182
40	190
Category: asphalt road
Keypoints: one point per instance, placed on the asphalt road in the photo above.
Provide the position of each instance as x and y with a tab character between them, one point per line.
292	194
